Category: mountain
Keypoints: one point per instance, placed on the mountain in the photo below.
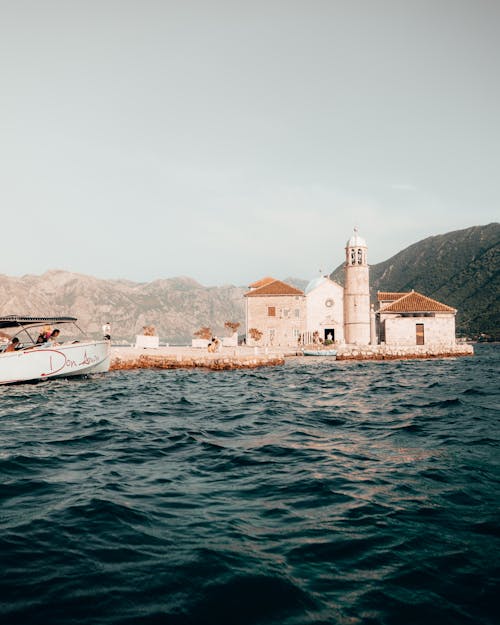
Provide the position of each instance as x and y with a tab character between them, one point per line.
460	268
177	307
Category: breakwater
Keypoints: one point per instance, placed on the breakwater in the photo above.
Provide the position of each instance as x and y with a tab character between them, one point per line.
401	352
187	358
253	357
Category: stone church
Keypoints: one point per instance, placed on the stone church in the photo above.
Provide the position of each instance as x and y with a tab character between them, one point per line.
278	314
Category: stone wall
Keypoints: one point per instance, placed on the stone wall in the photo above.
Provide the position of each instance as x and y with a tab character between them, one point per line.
222	363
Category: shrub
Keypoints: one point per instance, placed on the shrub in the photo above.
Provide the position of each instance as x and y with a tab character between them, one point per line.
255	334
204	333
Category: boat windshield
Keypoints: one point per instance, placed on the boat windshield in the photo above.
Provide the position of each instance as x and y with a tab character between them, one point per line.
35	331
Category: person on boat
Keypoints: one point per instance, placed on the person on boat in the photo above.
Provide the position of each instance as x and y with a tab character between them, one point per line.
44	335
13	345
52	340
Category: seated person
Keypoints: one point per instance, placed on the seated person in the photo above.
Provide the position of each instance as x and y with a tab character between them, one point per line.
13	345
44	335
214	345
52	340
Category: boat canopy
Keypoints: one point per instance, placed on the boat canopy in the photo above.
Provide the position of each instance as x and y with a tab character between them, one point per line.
16	321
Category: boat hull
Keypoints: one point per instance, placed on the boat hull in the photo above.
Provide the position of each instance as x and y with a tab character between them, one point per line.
331	353
54	362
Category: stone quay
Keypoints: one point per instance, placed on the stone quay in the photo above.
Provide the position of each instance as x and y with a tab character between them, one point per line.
189	358
244	357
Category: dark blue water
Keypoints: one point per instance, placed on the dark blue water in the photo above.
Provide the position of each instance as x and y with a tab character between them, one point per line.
318	492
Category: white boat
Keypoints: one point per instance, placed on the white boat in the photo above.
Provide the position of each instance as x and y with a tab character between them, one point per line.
332	353
42	361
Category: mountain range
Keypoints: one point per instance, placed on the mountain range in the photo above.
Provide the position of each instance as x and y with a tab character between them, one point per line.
459	268
176	307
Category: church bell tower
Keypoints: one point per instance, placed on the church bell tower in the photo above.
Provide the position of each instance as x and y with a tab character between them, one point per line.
356	292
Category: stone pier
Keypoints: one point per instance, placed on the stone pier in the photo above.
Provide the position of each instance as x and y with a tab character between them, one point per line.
244	357
189	358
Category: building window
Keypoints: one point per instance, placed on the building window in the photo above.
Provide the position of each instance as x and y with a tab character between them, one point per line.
271	311
285	313
297	313
420	334
353	257
360	257
272	334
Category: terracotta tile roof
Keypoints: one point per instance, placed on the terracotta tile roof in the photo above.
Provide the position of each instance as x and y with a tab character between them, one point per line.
416	302
262	282
389	296
276	287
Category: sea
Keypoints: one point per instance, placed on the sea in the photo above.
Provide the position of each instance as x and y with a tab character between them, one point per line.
318	492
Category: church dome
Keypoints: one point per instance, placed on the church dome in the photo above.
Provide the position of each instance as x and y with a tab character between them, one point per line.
356	240
314	284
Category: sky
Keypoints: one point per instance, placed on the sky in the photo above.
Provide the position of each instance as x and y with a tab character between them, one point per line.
230	140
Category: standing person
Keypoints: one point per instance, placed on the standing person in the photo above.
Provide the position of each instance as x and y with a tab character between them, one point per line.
106	330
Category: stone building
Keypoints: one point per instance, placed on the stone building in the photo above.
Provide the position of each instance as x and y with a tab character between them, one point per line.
283	313
277	310
414	319
325	310
343	313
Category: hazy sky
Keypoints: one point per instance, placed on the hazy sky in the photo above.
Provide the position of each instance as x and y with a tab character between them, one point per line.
225	141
